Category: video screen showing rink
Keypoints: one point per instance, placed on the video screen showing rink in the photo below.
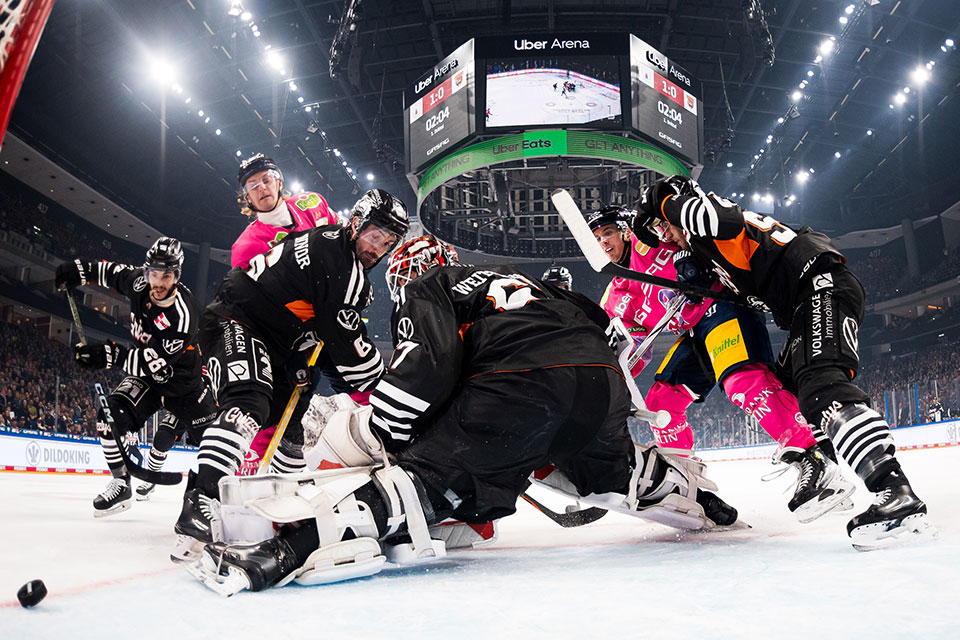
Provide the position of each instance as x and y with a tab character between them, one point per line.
553	95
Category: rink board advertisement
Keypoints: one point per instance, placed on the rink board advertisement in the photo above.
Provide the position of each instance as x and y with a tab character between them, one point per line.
60	453
665	102
440	108
924	436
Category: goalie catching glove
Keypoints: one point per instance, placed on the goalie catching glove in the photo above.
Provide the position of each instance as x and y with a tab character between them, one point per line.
337	433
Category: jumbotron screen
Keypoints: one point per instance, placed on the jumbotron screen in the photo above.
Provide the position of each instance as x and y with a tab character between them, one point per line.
665	101
536	91
440	109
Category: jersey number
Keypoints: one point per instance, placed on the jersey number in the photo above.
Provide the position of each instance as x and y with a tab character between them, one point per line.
510	293
781	236
260	262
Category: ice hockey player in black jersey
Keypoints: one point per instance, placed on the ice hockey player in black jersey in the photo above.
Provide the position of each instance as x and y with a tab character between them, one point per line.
163	369
261	325
804	282
558	277
493	376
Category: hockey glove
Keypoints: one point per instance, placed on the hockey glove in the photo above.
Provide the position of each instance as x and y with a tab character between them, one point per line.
297	369
70	275
690	271
99	356
650	211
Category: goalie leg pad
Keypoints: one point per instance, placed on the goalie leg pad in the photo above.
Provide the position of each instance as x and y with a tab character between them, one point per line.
329	498
663	489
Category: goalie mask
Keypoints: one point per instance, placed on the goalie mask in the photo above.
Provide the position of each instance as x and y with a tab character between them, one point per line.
416	256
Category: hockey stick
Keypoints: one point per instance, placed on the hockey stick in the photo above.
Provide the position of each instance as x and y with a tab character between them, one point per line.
147	475
599	261
567	520
287	414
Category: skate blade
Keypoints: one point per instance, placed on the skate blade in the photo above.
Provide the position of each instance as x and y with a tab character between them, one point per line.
117	508
813	509
845	505
205	571
736	526
913	529
143	498
186	549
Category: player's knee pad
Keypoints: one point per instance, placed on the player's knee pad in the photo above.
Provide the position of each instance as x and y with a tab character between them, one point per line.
677	436
862	438
755	389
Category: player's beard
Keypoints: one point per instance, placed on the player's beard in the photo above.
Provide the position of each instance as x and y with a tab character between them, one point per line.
159	294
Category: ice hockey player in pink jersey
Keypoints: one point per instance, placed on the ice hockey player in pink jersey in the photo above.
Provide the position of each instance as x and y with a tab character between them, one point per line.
276	213
718	343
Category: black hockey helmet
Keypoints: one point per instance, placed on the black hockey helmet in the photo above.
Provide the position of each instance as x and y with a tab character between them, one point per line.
382	209
614	214
256	164
166	254
558	277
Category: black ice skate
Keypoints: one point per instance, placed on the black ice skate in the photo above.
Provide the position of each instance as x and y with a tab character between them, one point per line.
896	516
722	514
229	568
198	524
115	498
821	486
144	491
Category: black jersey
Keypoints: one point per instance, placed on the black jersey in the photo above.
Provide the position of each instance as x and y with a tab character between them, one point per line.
165	334
310	282
753	255
455	323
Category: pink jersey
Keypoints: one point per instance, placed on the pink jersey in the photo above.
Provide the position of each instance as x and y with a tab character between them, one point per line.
641	305
308	210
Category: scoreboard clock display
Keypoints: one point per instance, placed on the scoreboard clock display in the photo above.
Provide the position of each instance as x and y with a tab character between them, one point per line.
666	102
440	109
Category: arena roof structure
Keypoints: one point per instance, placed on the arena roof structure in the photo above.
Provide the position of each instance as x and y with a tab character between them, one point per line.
838	114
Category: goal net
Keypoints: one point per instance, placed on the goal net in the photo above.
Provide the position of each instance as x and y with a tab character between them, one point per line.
21	23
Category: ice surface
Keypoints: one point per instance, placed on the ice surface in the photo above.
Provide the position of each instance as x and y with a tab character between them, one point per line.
617	578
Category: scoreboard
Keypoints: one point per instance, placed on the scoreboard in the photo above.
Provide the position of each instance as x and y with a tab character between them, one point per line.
666	102
440	112
511	84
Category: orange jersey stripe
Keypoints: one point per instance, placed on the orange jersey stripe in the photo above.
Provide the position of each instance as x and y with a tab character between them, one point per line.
301	308
738	251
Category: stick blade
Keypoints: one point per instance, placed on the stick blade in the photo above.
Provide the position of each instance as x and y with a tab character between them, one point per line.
574	220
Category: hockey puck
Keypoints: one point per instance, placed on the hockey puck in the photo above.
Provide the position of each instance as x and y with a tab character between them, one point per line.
31	593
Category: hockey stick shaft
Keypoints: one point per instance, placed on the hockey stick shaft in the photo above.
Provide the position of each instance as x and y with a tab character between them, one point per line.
138	472
599	261
287	414
147	475
76	316
567	520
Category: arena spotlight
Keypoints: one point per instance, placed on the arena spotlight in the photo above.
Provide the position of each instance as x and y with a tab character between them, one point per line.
837	155
802	177
869	132
825	48
899	98
246	16
850	9
162	71
236	9
920	75
370	176
729	164
274	60
844	20
796	96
